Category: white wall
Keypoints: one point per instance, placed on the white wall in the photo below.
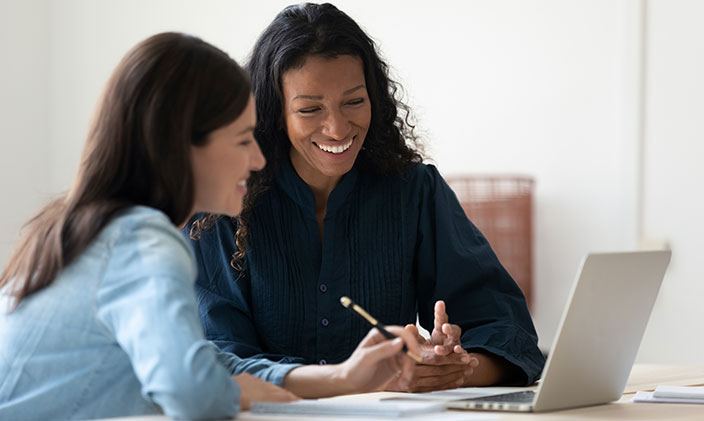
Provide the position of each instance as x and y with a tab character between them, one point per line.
673	203
89	37
549	88
24	113
533	88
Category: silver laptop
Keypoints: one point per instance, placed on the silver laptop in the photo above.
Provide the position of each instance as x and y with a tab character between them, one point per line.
598	336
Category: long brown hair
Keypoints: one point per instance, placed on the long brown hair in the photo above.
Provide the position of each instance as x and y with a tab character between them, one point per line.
168	93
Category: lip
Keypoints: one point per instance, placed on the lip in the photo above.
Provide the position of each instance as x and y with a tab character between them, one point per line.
242	187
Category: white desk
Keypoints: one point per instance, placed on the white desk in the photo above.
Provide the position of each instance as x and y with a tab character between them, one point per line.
643	377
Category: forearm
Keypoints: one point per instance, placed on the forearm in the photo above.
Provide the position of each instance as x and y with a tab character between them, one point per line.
491	370
317	381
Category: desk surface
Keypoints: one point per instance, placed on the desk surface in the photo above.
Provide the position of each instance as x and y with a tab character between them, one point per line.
643	377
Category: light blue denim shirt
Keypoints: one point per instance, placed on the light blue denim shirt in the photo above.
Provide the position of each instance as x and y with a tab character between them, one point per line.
118	333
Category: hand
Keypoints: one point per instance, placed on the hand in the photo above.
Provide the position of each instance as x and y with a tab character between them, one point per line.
376	361
253	389
373	364
445	336
485	369
446	364
437	372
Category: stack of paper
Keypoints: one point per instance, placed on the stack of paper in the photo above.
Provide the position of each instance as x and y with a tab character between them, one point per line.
672	394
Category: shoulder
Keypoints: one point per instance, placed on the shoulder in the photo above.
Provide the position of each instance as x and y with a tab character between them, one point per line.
420	179
145	236
414	174
421	172
140	217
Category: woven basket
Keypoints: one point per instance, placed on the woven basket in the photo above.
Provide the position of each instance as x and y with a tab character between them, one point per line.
502	208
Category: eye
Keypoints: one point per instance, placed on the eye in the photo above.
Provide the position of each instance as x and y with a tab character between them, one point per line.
356	101
308	110
245	142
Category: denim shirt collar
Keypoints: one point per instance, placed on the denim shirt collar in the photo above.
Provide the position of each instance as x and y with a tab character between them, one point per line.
297	189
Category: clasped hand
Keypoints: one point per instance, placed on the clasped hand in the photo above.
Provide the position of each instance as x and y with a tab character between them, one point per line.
379	364
445	365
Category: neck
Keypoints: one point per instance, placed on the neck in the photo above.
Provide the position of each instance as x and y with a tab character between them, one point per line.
321	191
321	185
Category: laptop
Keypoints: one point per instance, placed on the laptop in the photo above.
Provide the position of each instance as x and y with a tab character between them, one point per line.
598	336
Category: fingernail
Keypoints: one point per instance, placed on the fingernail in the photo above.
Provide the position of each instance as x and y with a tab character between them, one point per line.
397	341
460	382
465	358
468	372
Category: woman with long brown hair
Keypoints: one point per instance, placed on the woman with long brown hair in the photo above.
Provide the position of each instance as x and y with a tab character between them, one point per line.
99	316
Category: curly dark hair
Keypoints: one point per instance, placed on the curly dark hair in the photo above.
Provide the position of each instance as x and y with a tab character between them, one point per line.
298	32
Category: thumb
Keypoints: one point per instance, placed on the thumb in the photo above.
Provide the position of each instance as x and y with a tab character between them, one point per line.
383	350
414	331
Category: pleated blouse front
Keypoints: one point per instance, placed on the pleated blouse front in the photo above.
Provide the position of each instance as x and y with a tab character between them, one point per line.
392	244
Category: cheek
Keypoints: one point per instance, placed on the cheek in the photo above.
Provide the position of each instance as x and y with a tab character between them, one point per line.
297	128
363	117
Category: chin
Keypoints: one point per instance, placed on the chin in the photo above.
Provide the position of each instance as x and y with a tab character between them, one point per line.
231	211
338	170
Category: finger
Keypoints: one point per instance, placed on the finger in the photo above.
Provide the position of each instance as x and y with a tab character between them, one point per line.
453	332
451	358
442	350
408	338
421	370
407	372
374	336
447	381
383	350
414	331
440	315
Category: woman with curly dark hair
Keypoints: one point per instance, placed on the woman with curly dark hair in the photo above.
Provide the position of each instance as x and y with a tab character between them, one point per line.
345	206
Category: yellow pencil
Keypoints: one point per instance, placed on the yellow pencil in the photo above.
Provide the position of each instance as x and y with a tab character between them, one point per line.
345	301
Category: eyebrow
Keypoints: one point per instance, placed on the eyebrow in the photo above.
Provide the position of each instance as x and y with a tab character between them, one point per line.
319	97
248	129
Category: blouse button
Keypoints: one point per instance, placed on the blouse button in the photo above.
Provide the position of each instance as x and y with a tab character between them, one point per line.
324	322
323	362
323	288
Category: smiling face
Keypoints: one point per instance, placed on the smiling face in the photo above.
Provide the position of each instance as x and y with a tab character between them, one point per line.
327	114
222	165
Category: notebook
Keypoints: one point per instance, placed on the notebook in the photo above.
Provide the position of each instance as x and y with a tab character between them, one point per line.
598	336
379	409
672	394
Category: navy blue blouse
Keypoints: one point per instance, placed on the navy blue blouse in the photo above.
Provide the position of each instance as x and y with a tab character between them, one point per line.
394	245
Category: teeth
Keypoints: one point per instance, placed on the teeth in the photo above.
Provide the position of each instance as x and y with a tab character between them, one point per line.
336	148
242	183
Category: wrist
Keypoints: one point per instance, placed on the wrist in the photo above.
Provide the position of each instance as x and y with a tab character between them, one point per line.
340	380
318	381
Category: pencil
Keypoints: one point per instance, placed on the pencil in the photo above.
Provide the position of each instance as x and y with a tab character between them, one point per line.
345	301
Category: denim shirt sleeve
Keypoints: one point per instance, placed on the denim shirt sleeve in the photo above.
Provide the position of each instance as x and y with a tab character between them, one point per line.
146	301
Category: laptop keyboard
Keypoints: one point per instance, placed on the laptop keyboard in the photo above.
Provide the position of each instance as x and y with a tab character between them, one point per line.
524	396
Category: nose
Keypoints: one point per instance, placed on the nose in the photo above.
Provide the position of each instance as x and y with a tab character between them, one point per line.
256	158
336	125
